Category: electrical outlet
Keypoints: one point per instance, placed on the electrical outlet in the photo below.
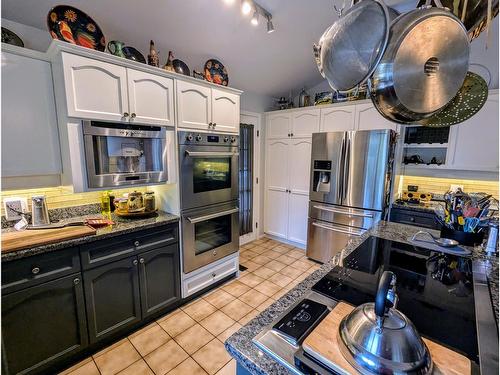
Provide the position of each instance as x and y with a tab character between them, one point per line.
14	205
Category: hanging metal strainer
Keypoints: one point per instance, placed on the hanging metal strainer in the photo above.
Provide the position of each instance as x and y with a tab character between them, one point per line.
468	101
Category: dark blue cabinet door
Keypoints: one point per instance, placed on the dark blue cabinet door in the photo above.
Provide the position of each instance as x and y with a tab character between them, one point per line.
43	324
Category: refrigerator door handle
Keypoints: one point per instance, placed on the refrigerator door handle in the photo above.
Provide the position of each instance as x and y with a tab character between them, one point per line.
347	163
340	170
337	229
348	213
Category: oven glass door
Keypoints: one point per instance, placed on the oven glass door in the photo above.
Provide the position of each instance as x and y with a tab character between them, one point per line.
209	175
209	234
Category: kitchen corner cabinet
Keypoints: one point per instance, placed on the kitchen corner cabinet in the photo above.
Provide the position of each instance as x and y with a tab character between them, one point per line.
368	118
99	90
30	140
42	325
204	108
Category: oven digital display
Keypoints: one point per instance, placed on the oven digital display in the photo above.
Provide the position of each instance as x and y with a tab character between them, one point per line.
213	138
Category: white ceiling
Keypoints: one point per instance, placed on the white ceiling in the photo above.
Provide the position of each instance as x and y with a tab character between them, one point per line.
196	30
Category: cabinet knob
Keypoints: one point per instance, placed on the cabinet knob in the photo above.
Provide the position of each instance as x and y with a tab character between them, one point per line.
291	134
141	260
135	262
214	253
125	114
133	115
214	124
412	219
214	274
136	243
288	135
76	281
35	270
210	124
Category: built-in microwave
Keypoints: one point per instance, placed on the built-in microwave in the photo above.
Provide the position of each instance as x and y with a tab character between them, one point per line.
119	154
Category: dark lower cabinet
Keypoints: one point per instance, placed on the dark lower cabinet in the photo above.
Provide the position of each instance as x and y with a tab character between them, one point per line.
159	278
112	297
42	325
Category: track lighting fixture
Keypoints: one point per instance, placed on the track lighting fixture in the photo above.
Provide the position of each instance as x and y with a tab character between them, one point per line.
255	18
246	7
249	6
270	26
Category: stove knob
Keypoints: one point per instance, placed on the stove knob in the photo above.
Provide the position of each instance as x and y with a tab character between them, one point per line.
189	137
233	139
199	138
226	139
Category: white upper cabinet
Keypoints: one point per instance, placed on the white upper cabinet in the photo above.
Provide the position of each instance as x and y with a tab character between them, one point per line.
278	125
225	111
30	141
94	89
277	157
474	143
305	122
368	118
338	118
193	106
151	98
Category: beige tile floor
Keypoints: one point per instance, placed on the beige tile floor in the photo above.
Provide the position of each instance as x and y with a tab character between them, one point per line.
190	340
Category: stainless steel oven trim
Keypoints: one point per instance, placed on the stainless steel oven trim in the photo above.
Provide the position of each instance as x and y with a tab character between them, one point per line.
201	154
124	130
335	228
190	260
199	219
350	212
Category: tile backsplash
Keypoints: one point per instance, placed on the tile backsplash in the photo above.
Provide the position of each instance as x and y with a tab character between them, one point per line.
442	185
63	196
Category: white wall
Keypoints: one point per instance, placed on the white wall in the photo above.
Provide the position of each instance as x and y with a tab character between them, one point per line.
252	102
32	37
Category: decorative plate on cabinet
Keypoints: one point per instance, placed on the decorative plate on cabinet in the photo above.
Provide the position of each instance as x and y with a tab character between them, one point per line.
216	72
181	67
10	37
131	53
71	25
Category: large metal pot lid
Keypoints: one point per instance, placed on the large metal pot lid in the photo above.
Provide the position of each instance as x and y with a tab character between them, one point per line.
353	46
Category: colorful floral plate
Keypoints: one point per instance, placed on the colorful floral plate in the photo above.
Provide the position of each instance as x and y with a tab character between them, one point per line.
71	25
216	72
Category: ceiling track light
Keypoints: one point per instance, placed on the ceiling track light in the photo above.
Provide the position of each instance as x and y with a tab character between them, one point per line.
247	6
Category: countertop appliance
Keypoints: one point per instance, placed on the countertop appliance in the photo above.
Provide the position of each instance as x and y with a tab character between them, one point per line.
351	176
119	154
439	293
39	211
208	164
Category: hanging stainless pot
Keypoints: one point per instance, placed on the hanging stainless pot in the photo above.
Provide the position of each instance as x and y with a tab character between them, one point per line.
423	66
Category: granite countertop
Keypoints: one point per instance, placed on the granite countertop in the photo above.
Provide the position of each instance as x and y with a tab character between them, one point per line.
240	344
121	226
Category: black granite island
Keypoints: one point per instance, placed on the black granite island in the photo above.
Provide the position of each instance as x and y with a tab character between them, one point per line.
251	359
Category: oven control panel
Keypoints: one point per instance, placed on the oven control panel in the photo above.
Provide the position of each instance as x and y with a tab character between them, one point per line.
211	139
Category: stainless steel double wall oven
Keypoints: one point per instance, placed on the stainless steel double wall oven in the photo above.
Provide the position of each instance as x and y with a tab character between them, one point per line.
209	197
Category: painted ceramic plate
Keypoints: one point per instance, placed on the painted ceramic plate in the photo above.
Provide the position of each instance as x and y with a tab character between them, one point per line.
132	54
216	72
10	37
181	67
71	25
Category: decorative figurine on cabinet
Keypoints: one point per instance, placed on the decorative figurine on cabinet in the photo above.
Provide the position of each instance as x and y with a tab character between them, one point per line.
170	62
153	57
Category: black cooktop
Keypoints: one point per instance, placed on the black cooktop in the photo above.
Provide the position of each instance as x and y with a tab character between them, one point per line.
435	290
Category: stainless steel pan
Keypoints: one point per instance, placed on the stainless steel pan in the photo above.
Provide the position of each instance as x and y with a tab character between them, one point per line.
423	66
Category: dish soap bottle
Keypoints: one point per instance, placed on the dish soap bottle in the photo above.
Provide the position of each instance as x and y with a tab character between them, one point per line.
105	204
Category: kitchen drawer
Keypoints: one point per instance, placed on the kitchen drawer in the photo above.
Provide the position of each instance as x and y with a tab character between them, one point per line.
210	274
353	217
417	218
104	251
37	269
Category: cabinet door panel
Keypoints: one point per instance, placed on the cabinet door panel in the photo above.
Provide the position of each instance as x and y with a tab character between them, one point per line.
159	275
151	98
278	126
305	122
277	165
112	298
225	111
337	118
368	118
299	165
297	217
474	143
194	106
276	213
94	89
43	325
28	117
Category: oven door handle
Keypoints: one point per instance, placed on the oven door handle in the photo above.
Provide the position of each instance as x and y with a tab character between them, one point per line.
201	154
336	229
199	219
348	213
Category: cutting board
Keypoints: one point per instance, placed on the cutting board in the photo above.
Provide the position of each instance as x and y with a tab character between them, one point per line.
27	239
322	344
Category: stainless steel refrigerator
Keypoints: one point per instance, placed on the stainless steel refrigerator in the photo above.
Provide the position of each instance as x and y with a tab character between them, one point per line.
351	179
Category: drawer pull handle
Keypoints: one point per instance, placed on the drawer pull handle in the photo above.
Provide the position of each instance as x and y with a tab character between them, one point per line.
141	260
135	262
136	243
35	270
214	274
214	253
76	281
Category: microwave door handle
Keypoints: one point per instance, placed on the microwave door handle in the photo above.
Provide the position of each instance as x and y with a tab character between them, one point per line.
328	209
334	229
201	154
199	219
